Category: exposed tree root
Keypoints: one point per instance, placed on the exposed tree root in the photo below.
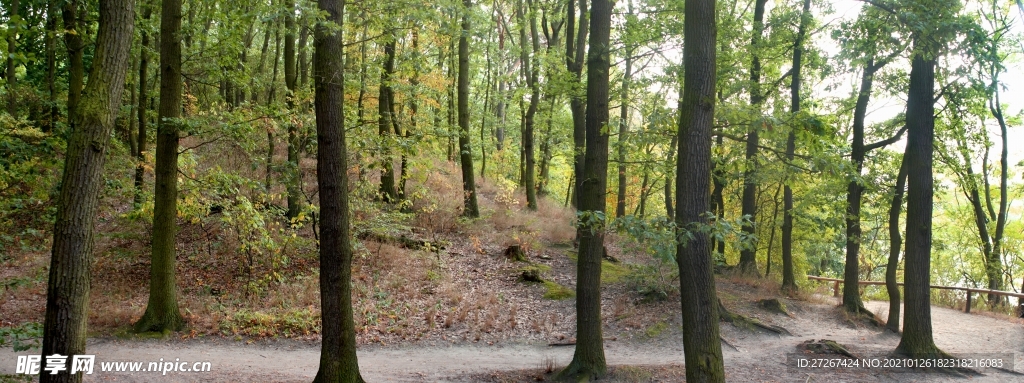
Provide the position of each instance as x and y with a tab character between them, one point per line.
747	322
860	313
827	346
774	305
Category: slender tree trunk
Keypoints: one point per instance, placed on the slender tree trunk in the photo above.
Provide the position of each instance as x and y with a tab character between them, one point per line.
384	120
76	53
996	108
530	62
788	277
68	285
895	245
917	337
465	151
588	362
162	312
271	96
12	49
771	236
51	65
140	154
851	291
701	346
748	255
718	174
627	76
575	50
669	206
338	361
294	177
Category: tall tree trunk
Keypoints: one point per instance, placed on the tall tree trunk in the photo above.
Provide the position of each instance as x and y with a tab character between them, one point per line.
588	362
701	346
12	48
294	177
384	119
575	50
76	53
627	76
140	154
51	65
530	64
788	277
338	361
67	292
465	151
851	289
917	337
271	96
895	245
748	255
162	312
996	108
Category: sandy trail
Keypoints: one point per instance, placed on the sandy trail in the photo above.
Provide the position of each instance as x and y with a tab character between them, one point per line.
759	357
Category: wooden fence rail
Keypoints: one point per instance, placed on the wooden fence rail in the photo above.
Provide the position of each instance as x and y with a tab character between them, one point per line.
970	291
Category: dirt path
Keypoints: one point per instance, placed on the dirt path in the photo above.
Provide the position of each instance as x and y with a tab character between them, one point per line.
759	357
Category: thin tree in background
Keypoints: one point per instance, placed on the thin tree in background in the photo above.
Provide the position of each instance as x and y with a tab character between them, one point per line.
338	362
68	285
588	361
788	278
748	254
895	246
701	345
162	313
472	210
575	52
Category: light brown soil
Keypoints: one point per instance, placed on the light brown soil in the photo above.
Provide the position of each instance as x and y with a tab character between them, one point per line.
760	357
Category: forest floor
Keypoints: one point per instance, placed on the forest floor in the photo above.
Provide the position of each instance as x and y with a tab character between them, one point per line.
454	309
757	357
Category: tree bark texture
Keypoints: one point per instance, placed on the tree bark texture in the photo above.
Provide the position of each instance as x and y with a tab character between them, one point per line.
471	209
701	346
338	362
68	284
162	312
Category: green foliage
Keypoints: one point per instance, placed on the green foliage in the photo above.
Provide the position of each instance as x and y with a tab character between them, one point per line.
30	168
23	337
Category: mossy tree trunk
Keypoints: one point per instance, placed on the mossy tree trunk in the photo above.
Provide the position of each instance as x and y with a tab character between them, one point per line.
588	361
162	313
701	346
385	115
338	361
67	293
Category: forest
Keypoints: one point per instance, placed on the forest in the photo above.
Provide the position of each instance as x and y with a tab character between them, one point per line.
631	190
